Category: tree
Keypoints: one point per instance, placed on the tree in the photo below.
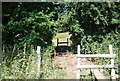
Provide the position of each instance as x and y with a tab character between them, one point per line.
85	19
30	23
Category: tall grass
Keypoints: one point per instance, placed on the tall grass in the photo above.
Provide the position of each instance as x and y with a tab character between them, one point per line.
25	66
19	67
48	71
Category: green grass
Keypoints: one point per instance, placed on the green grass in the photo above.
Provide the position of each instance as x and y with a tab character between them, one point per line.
48	71
25	67
20	68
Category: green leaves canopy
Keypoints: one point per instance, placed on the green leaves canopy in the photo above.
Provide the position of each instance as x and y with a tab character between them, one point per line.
30	23
94	19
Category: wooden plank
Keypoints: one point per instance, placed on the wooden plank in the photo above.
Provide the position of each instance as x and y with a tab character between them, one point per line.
98	74
94	66
62	42
112	63
98	55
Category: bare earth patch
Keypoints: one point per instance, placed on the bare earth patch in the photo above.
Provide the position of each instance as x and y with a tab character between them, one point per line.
68	63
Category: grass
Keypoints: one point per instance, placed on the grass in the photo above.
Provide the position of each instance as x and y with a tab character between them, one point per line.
48	71
25	67
20	68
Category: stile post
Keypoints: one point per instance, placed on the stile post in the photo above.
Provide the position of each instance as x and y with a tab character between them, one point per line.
39	61
112	63
67	42
78	63
57	41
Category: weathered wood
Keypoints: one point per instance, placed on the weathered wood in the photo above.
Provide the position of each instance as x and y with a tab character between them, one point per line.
67	42
112	63
78	63
98	75
94	66
62	42
98	55
39	61
57	41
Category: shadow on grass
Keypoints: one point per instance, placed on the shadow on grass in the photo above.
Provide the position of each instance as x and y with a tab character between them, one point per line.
63	49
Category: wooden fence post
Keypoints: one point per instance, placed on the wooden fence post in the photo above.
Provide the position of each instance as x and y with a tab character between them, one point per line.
67	42
78	63
39	61
112	63
57	41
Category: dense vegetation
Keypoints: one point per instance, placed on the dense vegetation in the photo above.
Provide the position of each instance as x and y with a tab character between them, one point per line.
30	23
26	25
94	26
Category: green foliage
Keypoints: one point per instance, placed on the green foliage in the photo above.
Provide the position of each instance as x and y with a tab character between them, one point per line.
48	71
94	26
22	67
25	26
34	26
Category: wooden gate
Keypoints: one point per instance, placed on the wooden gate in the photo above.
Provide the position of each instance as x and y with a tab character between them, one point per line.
112	66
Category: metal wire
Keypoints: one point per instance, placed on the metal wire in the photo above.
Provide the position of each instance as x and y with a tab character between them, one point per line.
26	54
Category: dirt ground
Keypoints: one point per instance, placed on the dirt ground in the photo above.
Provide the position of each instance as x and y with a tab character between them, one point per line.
68	63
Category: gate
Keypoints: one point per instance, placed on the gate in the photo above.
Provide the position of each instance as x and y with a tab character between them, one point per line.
112	66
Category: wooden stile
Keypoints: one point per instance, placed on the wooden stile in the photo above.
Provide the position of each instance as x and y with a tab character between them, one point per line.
67	42
62	42
57	41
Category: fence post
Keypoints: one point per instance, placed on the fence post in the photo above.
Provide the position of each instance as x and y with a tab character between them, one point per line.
67	42
39	61
78	63
57	41
112	63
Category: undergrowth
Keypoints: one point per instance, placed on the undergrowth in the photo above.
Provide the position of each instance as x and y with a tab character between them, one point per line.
19	66
90	45
47	68
25	66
